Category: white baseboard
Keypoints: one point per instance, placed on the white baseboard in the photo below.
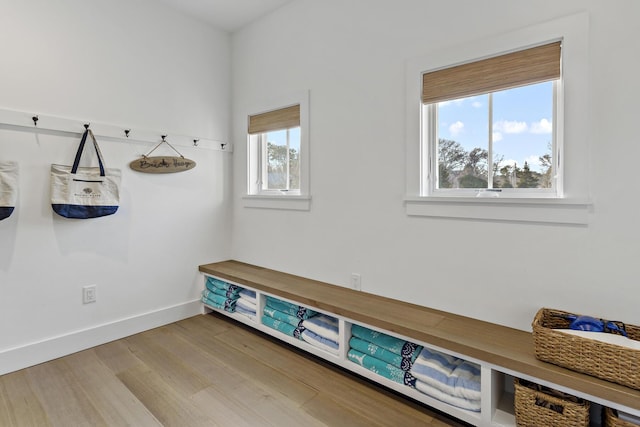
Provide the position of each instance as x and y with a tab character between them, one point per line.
31	354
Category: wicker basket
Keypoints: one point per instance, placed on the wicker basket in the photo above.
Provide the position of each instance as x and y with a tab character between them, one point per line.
537	408
603	360
611	419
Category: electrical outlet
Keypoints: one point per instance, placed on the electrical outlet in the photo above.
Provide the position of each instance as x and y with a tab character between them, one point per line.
356	281
89	294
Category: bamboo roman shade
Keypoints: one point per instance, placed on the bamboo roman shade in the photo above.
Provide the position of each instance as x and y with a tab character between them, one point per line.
283	118
534	65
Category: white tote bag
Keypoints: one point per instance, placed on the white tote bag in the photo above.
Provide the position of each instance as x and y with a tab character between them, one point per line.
8	188
85	192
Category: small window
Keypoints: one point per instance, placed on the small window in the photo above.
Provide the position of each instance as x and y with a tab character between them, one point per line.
278	157
490	126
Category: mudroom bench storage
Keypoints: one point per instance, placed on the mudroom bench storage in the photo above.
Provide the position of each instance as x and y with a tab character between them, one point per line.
396	343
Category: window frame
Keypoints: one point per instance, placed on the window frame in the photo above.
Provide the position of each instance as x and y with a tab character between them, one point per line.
429	137
255	196
263	168
573	205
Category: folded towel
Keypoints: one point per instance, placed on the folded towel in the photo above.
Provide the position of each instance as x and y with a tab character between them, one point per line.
395	345
283	317
218	299
246	304
213	284
219	302
220	283
283	327
320	342
614	339
449	374
387	356
242	310
289	308
227	293
248	294
381	368
460	402
323	325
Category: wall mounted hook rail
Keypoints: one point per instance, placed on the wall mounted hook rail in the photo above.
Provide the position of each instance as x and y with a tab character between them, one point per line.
30	122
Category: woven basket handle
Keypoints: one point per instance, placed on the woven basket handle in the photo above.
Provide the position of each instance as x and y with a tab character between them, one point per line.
551	406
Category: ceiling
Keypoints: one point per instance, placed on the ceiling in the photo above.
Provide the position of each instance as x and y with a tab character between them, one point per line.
228	15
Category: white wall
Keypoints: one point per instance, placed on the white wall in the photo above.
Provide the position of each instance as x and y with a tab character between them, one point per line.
136	64
351	56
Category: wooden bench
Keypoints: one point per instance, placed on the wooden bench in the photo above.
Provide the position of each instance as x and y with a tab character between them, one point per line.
502	352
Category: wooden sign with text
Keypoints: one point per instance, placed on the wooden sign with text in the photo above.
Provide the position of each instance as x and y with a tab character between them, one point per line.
162	164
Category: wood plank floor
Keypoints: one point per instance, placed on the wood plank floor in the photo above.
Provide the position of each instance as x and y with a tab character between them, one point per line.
203	371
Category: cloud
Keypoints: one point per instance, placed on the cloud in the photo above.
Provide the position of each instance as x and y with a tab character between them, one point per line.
509	162
456	128
507	126
497	136
543	126
476	104
534	162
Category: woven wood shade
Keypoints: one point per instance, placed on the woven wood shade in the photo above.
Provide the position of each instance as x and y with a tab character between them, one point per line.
534	65
283	118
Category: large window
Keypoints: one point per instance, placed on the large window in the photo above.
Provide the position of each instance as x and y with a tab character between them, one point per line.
489	126
519	140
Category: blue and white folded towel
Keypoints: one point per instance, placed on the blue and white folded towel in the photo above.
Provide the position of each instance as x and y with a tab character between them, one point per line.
218	301
381	368
244	311
448	374
283	317
323	325
213	283
284	327
248	295
395	345
289	308
227	293
460	402
320	342
378	352
245	306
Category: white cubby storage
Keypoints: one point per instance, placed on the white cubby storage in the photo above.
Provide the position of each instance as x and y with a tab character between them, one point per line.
502	353
503	412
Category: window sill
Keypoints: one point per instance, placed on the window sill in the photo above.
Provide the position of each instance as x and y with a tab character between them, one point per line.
284	202
541	210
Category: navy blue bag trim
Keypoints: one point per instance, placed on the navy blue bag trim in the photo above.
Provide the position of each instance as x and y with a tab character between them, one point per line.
5	212
82	211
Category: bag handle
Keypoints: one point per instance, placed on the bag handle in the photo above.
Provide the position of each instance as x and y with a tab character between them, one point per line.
76	161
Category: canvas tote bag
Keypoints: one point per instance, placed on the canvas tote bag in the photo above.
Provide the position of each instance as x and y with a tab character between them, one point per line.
85	192
8	188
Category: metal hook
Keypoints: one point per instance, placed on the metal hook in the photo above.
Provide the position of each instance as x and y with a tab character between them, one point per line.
86	126
163	137
195	142
222	145
35	120
126	132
